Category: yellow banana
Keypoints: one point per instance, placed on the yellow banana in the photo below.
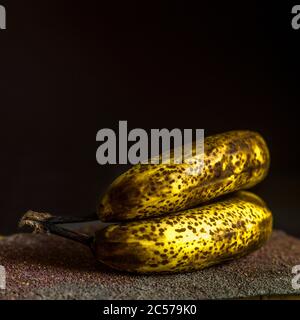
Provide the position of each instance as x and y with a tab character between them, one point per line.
232	161
188	240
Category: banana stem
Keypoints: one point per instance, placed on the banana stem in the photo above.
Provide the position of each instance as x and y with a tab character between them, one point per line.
46	223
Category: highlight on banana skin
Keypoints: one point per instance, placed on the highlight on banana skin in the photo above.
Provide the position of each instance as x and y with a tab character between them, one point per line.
165	221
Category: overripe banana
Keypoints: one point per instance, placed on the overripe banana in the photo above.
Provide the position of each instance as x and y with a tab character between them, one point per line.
188	240
178	242
232	161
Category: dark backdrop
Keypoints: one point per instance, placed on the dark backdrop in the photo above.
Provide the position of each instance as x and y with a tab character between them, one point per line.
71	68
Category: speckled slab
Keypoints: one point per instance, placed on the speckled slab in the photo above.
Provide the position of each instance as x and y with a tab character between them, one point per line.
49	267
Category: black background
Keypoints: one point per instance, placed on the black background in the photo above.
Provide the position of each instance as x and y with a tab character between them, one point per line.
69	69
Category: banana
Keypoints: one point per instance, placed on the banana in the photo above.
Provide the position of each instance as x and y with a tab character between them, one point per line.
188	240
232	161
179	242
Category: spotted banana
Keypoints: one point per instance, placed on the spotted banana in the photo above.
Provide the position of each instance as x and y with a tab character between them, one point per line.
232	161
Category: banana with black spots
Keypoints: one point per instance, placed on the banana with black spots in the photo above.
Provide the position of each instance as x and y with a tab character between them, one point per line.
232	161
187	240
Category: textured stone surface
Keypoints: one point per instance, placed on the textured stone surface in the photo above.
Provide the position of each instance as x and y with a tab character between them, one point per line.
49	267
